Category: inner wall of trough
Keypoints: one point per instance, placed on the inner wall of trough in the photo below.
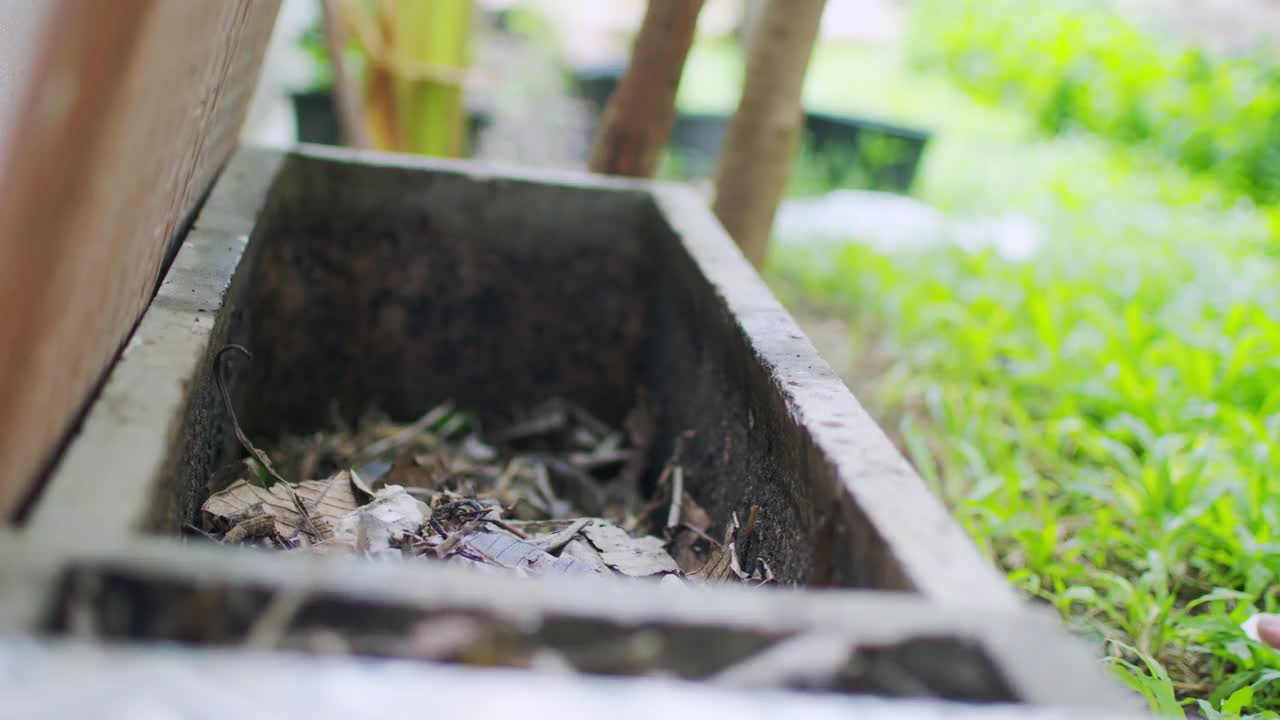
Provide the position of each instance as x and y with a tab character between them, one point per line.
400	289
394	288
367	286
745	451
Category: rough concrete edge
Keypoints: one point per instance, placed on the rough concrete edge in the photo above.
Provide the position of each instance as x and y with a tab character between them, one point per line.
1042	660
177	680
477	170
106	481
865	615
1014	641
936	555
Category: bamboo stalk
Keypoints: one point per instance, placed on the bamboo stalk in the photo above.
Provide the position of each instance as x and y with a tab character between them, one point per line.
641	111
756	157
418	51
370	34
380	101
431	113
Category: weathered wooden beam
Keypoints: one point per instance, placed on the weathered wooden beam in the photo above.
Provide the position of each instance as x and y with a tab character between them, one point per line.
130	110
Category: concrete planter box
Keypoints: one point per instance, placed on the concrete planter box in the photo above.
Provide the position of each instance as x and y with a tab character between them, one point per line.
405	282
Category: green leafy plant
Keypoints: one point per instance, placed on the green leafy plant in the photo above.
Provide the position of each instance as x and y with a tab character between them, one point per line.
312	42
1103	418
1073	65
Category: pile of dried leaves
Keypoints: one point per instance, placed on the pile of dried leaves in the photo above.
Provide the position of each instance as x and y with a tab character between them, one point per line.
552	494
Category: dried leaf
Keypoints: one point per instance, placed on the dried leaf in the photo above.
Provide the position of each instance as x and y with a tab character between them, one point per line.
478	450
360	489
637	557
585	552
257	526
327	500
513	553
692	514
374	471
330	547
691	551
382	524
717	567
723	562
556	542
373	536
538	529
410	470
567	465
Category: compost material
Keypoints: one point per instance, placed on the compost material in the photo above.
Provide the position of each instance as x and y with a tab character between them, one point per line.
554	493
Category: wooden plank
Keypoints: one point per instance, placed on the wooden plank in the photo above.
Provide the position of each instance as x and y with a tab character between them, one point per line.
132	108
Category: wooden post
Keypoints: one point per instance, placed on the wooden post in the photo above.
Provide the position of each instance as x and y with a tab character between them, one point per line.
748	22
642	109
756	158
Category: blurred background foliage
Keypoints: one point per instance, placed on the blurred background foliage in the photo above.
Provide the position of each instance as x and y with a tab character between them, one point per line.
1076	65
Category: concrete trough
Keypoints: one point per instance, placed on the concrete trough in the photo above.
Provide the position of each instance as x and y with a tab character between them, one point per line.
361	279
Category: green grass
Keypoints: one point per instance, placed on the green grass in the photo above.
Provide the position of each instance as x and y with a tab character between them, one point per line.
1116	75
1104	419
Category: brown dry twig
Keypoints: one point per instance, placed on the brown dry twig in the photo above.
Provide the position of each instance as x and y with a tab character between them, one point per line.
556	543
451	542
677	498
261	457
407	433
205	533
